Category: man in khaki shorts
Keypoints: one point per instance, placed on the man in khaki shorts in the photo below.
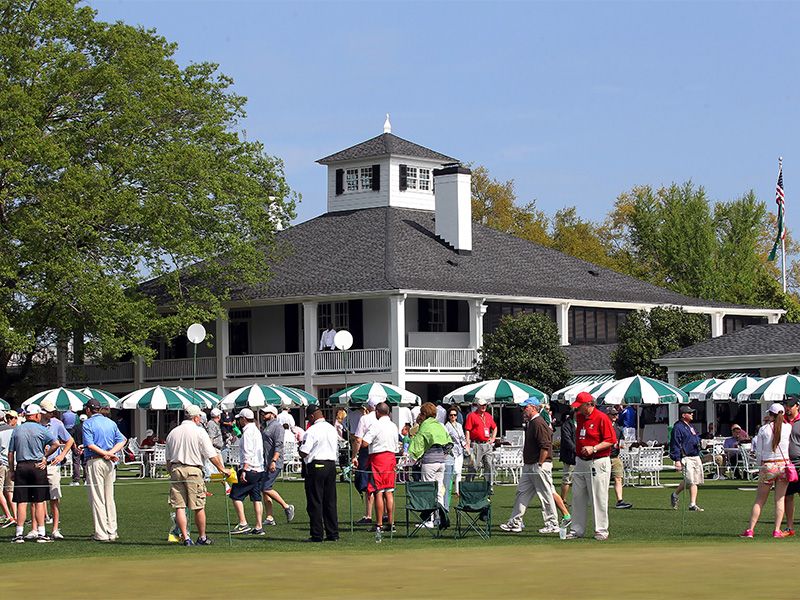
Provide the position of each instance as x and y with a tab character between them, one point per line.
188	449
7	424
684	449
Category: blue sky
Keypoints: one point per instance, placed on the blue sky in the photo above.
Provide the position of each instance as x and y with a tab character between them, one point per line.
575	101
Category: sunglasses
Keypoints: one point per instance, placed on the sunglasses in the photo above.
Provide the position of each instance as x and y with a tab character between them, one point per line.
453	414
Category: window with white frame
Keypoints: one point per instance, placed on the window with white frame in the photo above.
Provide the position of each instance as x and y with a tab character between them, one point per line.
411	178
358	179
437	315
336	314
424	179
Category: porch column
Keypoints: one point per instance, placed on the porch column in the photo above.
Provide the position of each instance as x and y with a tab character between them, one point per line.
397	338
477	309
222	349
717	324
310	343
672	378
139	416
562	321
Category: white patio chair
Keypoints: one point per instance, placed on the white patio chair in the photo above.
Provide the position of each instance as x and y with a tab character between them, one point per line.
650	464
748	466
66	466
137	460
158	461
628	459
508	461
291	459
234	457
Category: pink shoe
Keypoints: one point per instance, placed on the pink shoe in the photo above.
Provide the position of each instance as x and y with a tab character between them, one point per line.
747	533
777	534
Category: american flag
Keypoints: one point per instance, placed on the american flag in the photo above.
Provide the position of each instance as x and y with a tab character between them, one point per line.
779	200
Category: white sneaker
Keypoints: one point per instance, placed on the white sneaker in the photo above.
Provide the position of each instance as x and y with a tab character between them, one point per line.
511	527
32	535
601	537
48	520
549	529
56	535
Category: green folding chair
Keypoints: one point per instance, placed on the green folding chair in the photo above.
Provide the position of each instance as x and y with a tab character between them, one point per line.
474	509
420	501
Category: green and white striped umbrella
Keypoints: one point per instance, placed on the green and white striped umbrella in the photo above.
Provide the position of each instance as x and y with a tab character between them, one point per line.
381	392
299	397
568	394
772	389
729	389
495	391
641	390
697	388
4	405
62	398
159	398
209	399
103	397
258	395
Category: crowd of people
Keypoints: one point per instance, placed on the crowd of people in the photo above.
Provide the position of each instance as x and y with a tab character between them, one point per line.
378	444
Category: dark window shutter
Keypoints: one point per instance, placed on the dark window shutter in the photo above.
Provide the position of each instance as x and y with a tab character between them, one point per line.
291	326
356	310
451	312
403	178
376	178
423	314
339	182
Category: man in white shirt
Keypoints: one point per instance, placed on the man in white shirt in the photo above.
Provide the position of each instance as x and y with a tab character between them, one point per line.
188	449
326	339
382	442
286	418
251	474
319	449
360	460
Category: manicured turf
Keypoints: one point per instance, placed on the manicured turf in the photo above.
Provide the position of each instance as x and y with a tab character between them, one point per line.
651	542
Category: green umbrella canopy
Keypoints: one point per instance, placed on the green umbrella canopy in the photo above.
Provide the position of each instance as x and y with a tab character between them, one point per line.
641	390
495	391
381	392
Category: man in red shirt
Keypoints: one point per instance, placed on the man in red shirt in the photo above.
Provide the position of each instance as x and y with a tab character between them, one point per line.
593	443
480	431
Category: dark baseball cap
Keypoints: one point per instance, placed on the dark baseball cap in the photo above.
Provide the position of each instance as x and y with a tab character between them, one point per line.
93	403
685	410
791	401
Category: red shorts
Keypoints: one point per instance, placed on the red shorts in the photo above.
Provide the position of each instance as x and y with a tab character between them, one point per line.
383	472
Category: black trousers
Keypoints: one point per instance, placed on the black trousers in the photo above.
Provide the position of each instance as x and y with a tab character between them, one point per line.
320	486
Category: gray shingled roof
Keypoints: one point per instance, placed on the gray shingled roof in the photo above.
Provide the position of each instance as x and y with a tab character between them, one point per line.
585	359
385	249
384	145
778	338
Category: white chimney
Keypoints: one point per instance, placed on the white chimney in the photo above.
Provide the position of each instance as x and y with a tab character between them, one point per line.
454	207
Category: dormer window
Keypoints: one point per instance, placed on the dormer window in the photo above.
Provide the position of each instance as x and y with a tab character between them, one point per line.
358	179
415	178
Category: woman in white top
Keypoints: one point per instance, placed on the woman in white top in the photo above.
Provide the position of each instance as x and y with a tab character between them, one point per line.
456	432
771	447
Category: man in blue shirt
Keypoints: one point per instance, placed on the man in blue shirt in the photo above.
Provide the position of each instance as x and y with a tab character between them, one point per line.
684	449
66	443
28	448
627	419
101	442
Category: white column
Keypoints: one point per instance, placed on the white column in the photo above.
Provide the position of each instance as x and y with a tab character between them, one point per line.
222	348
310	342
672	378
717	324
477	309
140	416
562	321
711	414
397	338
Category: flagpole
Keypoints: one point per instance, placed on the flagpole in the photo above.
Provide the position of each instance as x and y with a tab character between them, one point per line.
783	237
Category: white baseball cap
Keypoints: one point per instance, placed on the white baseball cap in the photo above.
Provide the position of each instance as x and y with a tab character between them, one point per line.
245	413
33	409
776	408
372	401
193	411
47	405
482	401
215	412
269	409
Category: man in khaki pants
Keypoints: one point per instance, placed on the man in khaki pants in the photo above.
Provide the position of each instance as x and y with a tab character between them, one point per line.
593	445
101	442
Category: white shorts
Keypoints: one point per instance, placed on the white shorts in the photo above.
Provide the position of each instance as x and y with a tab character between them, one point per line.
54	481
693	470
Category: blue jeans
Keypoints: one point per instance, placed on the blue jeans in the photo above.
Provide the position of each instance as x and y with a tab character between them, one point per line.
449	478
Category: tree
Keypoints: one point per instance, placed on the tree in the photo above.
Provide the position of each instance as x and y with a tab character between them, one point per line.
117	166
525	347
494	204
581	239
648	335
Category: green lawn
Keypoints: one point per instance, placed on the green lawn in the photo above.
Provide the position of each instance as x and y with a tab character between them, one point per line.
653	552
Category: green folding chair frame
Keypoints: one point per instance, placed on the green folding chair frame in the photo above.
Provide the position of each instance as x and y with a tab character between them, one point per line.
474	509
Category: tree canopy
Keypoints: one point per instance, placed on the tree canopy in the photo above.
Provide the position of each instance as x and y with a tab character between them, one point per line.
525	347
116	166
645	336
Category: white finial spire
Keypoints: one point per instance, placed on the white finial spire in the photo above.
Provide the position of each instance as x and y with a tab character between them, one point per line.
387	126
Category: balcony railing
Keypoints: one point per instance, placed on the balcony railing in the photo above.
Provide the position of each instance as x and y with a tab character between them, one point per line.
181	368
355	361
262	365
435	360
99	374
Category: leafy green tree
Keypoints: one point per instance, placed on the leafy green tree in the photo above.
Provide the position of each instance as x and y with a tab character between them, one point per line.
494	204
580	238
117	166
648	335
526	348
